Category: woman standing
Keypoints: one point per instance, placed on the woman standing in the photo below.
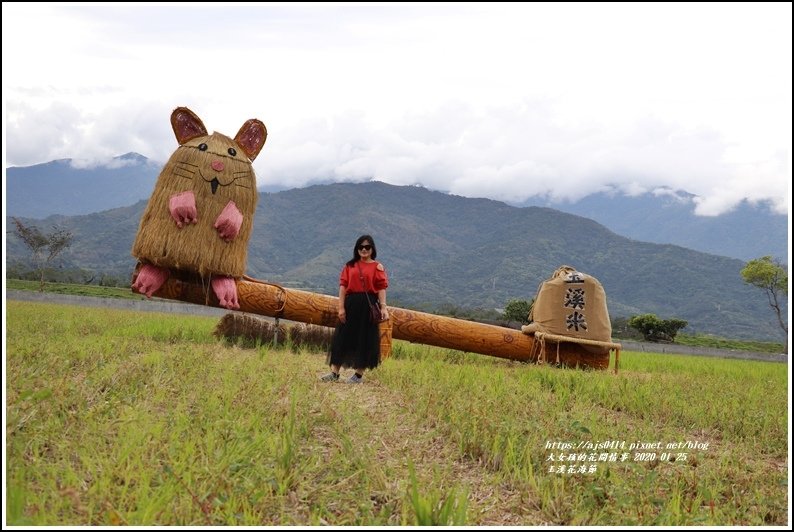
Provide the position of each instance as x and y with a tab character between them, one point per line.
356	342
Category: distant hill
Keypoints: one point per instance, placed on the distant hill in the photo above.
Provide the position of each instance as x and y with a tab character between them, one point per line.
61	187
442	249
748	232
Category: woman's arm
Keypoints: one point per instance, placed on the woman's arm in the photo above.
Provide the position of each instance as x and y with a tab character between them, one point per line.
341	309
382	302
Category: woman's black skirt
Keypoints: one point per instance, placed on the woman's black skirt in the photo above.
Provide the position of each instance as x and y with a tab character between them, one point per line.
356	342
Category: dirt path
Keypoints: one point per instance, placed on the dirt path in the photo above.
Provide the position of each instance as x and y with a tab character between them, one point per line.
397	437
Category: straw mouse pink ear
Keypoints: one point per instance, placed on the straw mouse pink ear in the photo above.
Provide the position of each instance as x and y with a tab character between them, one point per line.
186	125
251	137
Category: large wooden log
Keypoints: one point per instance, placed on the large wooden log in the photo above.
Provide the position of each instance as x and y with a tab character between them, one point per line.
272	300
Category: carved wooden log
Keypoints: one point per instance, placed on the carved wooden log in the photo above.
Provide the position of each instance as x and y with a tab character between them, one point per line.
272	300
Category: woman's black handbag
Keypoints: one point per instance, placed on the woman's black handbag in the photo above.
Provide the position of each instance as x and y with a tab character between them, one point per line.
375	315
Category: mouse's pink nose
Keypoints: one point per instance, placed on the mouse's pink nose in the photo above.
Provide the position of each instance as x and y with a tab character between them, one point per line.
217	166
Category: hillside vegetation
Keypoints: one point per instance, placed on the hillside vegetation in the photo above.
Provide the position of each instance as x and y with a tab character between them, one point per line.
663	216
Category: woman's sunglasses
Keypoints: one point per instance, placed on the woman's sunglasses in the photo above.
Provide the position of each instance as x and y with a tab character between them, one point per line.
365	247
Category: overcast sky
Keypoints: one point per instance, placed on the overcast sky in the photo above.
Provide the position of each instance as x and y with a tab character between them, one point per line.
505	101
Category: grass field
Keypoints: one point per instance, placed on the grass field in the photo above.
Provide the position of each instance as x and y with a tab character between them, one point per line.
122	418
74	289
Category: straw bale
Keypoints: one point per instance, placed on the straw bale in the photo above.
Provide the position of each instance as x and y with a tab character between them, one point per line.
248	330
312	337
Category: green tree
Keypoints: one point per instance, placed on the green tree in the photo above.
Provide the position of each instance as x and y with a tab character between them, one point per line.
518	310
43	247
769	275
654	329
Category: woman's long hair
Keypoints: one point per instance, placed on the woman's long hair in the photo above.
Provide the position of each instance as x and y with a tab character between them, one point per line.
355	249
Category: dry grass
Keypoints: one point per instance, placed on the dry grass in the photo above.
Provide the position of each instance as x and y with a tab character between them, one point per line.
250	331
116	417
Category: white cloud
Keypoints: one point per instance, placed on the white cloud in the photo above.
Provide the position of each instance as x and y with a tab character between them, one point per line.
505	101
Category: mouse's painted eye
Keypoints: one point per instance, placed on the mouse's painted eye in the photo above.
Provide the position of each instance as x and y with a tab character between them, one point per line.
202	147
232	152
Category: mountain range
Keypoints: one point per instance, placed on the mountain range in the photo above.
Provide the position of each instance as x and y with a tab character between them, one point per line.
746	232
441	250
749	231
67	187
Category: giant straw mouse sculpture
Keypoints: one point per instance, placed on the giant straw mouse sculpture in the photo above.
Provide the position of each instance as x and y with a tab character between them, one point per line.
200	215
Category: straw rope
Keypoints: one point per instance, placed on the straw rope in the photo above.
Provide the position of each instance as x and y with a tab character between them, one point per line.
541	338
282	298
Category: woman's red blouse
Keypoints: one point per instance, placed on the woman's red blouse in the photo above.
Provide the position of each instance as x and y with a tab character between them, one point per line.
375	278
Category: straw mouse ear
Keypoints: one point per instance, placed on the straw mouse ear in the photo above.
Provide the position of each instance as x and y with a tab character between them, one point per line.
186	125
251	137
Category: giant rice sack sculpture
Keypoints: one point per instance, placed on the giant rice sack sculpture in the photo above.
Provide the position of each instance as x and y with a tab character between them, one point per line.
571	308
200	215
571	303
